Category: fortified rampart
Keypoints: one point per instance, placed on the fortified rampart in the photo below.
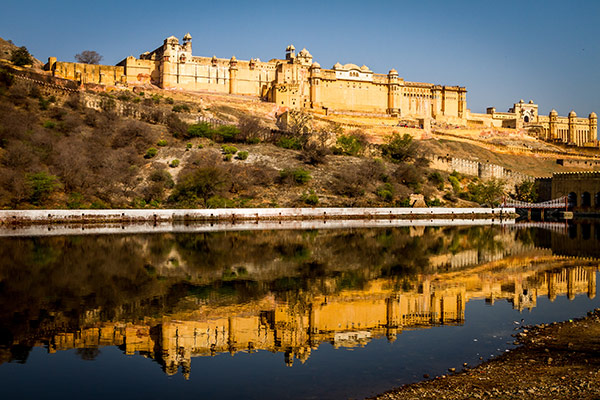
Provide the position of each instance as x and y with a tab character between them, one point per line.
484	171
294	81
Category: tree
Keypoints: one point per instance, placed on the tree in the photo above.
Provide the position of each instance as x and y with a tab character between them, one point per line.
88	57
21	56
200	184
399	148
526	191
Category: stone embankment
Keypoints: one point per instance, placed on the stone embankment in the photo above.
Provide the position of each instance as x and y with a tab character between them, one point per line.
555	361
8	217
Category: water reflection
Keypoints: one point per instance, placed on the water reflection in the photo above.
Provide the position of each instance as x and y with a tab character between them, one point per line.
172	297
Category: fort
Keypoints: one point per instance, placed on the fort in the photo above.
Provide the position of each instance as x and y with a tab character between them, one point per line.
298	81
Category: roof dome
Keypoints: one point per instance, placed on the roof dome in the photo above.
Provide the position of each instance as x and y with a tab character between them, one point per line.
290	48
572	113
338	66
187	36
304	53
553	112
393	72
593	115
315	65
351	66
172	39
364	68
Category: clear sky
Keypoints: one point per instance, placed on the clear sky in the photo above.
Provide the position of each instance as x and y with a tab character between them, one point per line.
502	51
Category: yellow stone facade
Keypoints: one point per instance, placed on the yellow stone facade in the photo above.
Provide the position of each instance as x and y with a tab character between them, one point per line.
571	129
294	81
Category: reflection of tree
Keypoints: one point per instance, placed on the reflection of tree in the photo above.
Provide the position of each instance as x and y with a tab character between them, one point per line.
57	280
88	354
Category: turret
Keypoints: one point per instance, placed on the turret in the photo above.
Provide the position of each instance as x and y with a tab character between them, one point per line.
593	118
553	116
393	91
572	128
290	52
233	70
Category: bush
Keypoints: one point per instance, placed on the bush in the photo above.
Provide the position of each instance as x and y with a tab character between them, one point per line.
202	129
288	142
526	191
181	108
200	184
298	175
40	185
162	176
168	100
174	163
489	192
226	133
242	155
227	157
310	198
433	203
188	146
437	179
21	56
229	149
161	143
399	148
151	152
176	126
385	192
455	184
350	145
49	124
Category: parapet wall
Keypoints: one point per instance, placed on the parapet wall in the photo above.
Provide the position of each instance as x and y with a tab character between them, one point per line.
481	170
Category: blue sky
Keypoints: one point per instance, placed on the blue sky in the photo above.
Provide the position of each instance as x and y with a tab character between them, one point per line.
502	51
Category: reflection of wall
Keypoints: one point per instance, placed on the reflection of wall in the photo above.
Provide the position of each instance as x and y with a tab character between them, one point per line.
348	318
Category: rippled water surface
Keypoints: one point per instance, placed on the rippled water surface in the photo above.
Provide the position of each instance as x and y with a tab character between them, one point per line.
335	313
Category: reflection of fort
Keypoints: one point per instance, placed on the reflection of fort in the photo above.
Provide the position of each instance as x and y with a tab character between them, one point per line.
345	319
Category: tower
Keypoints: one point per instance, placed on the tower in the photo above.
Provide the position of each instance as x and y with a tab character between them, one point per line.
553	117
393	90
572	121
290	53
233	70
315	84
593	118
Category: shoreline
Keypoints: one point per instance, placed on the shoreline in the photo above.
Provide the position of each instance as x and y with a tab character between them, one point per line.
560	360
31	217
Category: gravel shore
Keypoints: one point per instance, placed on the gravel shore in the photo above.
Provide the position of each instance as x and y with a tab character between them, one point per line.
555	361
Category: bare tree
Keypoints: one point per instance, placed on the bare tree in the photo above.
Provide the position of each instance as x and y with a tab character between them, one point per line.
88	57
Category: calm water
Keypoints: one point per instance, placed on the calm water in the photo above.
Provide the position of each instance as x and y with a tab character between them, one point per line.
336	313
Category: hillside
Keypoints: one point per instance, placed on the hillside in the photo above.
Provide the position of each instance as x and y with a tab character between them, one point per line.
62	147
6	48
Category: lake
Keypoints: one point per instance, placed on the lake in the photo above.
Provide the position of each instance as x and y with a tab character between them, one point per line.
269	312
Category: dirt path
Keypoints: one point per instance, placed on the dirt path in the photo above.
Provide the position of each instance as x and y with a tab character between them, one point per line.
556	361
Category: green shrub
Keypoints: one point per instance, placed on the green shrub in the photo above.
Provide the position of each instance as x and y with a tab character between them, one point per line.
403	202
227	157
40	185
298	175
21	56
75	201
200	146
349	145
188	146
151	152
181	108
310	198
49	124
219	202
156	98
455	184
385	192
202	129
437	179
169	100
399	148
43	103
174	163
229	149
161	143
433	203
227	133
242	155
288	142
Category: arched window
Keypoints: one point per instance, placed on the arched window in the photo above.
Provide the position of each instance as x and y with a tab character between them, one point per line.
586	231
586	199
572	199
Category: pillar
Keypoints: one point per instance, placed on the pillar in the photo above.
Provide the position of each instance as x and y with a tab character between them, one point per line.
392	92
593	120
233	71
572	127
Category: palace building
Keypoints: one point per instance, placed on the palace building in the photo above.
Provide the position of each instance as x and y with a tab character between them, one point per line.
298	81
294	81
